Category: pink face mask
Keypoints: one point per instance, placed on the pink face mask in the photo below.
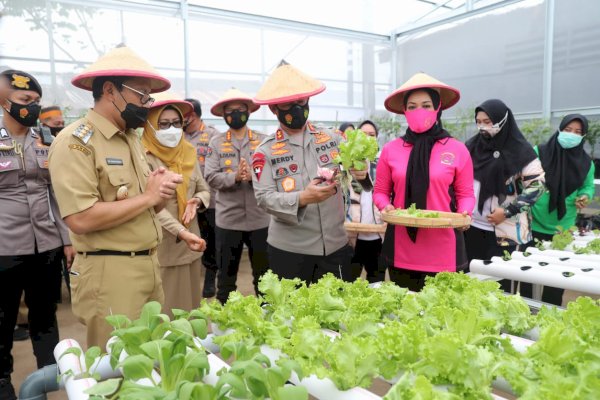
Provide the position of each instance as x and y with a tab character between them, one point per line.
421	120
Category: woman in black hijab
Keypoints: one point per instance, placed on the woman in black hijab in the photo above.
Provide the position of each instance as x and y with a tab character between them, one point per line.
508	181
570	180
430	169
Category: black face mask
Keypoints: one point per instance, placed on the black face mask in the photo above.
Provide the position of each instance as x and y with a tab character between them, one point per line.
236	119
25	115
55	129
134	116
295	117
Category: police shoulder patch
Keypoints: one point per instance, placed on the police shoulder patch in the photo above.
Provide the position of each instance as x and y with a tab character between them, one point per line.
83	132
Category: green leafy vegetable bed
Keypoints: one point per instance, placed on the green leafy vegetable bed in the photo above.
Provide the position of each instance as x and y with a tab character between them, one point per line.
444	342
448	335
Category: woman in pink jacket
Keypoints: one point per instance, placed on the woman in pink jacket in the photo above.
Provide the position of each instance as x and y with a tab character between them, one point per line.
431	169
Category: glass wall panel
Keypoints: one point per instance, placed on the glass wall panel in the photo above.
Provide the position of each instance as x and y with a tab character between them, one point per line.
498	54
576	63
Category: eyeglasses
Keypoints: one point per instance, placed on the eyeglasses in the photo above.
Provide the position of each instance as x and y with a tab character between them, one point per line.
232	109
168	124
145	98
287	106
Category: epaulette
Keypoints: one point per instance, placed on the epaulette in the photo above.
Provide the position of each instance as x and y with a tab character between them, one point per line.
279	135
84	132
312	128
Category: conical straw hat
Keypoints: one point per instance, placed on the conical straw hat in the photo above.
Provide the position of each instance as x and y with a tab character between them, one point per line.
232	95
287	84
121	61
449	96
169	98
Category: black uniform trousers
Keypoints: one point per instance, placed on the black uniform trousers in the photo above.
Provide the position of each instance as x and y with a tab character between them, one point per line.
366	254
311	268
206	221
39	275
229	246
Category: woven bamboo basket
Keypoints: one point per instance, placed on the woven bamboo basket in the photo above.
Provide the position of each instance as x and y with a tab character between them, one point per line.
445	220
364	228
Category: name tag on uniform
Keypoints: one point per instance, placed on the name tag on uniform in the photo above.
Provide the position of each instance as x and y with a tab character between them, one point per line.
114	161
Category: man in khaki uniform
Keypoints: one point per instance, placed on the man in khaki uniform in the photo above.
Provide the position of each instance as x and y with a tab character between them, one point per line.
306	238
239	219
108	196
199	135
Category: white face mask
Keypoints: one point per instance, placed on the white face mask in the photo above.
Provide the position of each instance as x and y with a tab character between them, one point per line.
169	137
495	128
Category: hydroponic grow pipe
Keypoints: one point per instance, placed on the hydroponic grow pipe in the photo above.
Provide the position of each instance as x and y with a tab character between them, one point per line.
522	272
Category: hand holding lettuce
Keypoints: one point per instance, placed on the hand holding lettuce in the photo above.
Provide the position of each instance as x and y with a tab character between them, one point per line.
355	154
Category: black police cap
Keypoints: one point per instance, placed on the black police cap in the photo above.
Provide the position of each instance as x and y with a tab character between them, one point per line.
20	80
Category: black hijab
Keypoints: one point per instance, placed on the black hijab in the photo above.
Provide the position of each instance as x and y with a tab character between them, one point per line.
497	158
346	125
565	169
417	172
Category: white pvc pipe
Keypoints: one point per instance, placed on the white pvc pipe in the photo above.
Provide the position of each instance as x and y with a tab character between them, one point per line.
75	388
207	343
326	389
218	331
528	262
74	364
320	388
565	254
537	275
109	344
144	381
102	366
561	261
520	344
216	364
68	362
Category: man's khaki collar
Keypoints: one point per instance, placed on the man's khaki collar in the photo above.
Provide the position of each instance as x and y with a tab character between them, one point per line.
102	124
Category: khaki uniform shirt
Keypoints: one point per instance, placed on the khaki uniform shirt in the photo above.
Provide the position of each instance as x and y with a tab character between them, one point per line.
236	205
283	166
29	215
172	252
90	160
200	140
